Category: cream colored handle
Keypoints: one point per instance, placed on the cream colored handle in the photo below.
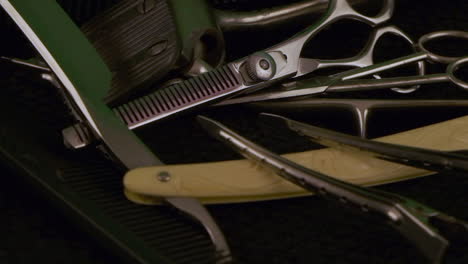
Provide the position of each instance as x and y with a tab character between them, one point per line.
243	180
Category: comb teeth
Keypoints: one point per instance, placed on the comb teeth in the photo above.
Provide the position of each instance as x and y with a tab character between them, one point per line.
178	97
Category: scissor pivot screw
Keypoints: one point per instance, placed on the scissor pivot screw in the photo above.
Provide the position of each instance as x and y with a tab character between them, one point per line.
164	176
261	67
264	65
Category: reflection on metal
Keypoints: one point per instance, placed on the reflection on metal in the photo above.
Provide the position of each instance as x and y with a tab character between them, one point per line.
417	222
231	79
26	64
426	159
124	145
197	211
77	136
347	81
198	67
364	61
360	108
233	21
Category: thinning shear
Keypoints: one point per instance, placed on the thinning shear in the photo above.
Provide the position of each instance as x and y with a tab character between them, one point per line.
427	228
344	82
254	72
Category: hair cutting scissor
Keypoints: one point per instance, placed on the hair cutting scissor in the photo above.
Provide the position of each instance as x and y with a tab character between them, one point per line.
254	72
345	81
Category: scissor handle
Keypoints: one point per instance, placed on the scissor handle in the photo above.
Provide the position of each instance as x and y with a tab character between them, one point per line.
342	9
455	66
363	59
345	10
366	56
337	10
439	35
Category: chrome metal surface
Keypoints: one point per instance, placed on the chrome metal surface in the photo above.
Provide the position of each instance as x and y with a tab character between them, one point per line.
198	212
362	85
337	10
114	136
404	81
360	108
363	59
26	63
77	136
426	159
233	78
411	219
236	21
260	67
198	67
124	145
194	92
440	35
164	176
344	82
453	68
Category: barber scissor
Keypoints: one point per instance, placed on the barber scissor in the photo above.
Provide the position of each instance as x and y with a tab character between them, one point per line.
254	72
344	82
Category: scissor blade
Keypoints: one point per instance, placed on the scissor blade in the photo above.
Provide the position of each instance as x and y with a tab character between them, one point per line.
194	92
408	217
417	157
359	108
298	89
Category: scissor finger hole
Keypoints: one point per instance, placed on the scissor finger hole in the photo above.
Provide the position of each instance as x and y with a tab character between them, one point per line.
368	8
421	70
385	11
458	69
397	46
352	36
445	46
391	46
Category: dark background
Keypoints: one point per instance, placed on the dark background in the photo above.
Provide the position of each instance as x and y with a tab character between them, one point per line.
304	230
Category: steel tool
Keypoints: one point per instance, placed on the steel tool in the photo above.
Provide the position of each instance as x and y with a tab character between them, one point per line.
344	82
280	15
144	42
361	109
237	181
254	72
48	27
440	161
427	228
86	103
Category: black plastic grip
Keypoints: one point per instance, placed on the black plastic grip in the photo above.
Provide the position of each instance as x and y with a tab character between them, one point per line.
138	41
